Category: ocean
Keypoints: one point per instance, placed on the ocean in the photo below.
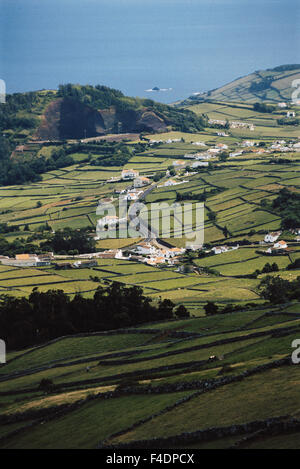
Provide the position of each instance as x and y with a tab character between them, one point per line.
182	46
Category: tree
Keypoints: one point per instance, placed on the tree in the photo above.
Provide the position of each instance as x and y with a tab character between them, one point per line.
226	232
181	312
165	309
211	309
274	289
212	216
223	156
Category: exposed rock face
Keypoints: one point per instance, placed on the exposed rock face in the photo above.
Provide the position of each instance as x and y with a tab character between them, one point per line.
67	118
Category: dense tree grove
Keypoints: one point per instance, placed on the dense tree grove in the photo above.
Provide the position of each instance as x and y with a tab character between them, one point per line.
66	241
44	316
278	290
287	205
21	171
262	107
102	97
18	103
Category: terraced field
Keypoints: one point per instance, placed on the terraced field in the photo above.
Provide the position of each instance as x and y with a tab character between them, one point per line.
170	380
157	382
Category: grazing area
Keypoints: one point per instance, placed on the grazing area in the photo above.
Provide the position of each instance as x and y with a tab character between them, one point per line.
157	382
135	339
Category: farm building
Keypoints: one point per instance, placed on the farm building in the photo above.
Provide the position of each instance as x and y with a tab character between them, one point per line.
272	237
85	265
199	164
281	245
179	163
171	182
141	182
26	260
145	249
111	254
156	261
132	196
220	249
130	174
110	220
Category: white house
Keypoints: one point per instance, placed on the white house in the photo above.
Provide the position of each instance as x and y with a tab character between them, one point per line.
179	163
156	261
291	114
110	221
170	253
280	245
282	105
248	144
204	156
170	182
220	249
272	237
222	146
141	182
132	196
145	249
130	174
173	140
197	164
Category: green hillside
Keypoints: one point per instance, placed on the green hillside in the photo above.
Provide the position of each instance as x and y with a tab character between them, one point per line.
210	346
76	112
117	389
272	85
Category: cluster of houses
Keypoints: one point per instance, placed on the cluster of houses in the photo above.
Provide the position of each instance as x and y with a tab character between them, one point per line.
233	124
152	255
284	147
170	140
278	246
144	252
133	193
242	125
132	174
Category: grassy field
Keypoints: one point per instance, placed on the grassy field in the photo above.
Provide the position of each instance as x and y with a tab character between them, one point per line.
82	368
270	393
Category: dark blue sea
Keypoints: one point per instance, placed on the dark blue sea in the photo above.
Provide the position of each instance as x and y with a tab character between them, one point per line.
182	46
